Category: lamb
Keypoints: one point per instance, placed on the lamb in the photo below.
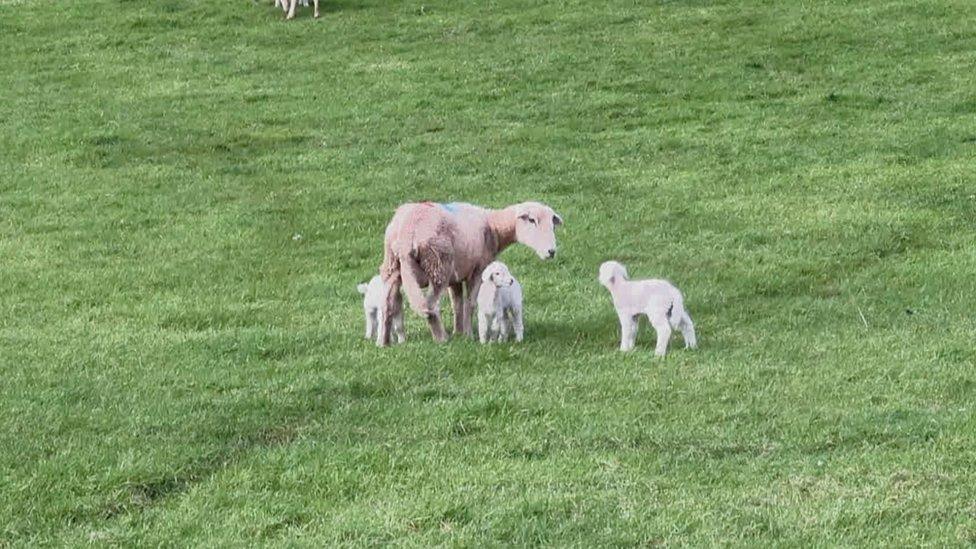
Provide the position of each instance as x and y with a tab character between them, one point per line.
447	246
374	301
499	304
658	299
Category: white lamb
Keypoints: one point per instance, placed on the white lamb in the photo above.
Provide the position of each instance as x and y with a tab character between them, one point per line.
658	299
499	304
374	300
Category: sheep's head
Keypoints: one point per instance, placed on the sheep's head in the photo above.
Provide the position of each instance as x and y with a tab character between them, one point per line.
497	273
612	272
535	226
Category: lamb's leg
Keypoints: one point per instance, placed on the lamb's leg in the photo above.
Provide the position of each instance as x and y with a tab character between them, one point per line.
663	328
484	326
458	304
291	10
517	321
316	4
371	321
688	332
504	324
628	331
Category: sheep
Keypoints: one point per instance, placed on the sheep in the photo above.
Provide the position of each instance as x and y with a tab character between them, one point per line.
658	299
447	246
374	301
499	304
288	6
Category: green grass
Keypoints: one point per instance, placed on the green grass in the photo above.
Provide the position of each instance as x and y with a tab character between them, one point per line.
177	367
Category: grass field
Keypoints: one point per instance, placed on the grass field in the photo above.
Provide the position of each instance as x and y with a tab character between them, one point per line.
190	191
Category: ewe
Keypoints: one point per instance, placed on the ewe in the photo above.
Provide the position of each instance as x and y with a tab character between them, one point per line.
448	246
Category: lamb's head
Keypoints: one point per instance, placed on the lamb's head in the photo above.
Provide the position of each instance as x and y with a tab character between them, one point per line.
611	273
535	226
497	273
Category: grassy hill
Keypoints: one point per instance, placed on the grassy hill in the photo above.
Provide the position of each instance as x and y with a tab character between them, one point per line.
190	191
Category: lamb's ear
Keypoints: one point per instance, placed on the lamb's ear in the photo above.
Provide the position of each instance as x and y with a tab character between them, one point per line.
486	275
361	288
556	219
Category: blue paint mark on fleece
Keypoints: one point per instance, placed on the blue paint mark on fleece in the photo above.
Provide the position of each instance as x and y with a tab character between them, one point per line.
452	207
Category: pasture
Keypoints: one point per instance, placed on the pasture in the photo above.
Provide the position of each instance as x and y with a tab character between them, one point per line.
190	192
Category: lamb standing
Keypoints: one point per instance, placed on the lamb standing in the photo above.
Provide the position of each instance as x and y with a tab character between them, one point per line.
658	299
499	304
448	246
374	301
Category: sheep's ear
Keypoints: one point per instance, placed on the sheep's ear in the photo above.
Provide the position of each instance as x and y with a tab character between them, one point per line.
524	217
556	220
486	275
361	288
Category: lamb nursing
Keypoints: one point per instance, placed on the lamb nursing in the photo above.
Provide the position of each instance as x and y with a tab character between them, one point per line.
447	246
374	301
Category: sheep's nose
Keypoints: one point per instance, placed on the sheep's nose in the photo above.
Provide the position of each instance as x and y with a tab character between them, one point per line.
552	252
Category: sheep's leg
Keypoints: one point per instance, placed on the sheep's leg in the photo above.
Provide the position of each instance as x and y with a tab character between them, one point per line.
688	332
291	10
458	304
393	303
517	322
434	314
316	4
663	328
628	331
474	286
398	330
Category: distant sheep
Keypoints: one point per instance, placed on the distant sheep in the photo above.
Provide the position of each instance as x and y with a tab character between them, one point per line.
448	246
288	6
374	301
658	299
499	304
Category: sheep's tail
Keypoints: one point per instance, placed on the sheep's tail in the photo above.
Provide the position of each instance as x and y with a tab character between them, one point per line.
429	261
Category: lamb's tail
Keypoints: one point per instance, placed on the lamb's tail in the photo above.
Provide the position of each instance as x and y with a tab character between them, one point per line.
677	313
681	320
